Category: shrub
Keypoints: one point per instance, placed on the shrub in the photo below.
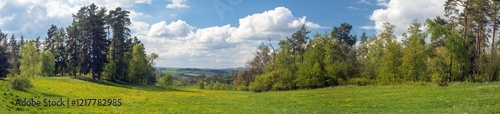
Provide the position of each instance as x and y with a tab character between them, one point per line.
438	79
217	86
228	87
166	80
242	88
265	82
341	82
201	85
21	83
211	86
360	81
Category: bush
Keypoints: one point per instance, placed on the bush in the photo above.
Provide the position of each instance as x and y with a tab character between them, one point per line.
341	82
201	85
438	79
21	83
228	87
265	82
242	88
211	86
217	86
360	81
166	80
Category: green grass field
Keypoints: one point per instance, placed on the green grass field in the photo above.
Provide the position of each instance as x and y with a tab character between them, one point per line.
456	98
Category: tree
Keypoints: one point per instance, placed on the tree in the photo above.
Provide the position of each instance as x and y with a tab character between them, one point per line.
29	60
362	50
259	63
47	63
81	31
99	43
58	51
49	41
297	43
456	52
167	80
341	34
13	51
494	66
389	71
414	61
71	49
90	34
281	74
140	69
311	74
118	21
340	55
4	65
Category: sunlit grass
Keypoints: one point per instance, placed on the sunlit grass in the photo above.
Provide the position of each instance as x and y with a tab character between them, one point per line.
456	98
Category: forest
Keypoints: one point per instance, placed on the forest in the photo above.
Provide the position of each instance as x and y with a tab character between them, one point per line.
96	44
462	46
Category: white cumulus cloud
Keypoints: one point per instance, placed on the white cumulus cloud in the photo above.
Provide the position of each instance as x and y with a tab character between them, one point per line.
182	45
177	4
277	22
178	28
402	13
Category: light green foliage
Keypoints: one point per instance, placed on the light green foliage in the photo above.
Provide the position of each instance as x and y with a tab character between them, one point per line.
281	74
140	68
458	54
47	63
166	80
362	51
389	71
29	60
201	84
438	66
109	72
414	61
311	73
264	82
218	86
374	55
310	76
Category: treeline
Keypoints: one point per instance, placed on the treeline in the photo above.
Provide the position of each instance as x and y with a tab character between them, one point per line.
461	47
97	43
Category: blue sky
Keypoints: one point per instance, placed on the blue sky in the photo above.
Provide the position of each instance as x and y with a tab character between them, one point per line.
219	33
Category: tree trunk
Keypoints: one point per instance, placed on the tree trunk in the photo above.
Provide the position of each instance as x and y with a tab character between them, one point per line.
493	47
450	69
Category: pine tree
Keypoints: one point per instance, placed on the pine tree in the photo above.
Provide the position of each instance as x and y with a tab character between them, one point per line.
118	21
4	64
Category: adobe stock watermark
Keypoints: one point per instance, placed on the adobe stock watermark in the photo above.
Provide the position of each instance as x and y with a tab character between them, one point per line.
222	7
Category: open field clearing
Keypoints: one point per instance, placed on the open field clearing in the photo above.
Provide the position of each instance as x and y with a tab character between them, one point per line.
456	98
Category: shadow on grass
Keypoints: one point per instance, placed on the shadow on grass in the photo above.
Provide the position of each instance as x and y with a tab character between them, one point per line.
51	95
130	85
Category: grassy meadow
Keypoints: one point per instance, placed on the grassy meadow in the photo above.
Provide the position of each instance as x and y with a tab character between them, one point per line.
425	98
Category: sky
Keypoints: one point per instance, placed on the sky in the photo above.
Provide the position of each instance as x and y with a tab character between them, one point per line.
219	33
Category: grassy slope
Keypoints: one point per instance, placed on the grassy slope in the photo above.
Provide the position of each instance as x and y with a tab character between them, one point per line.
456	98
